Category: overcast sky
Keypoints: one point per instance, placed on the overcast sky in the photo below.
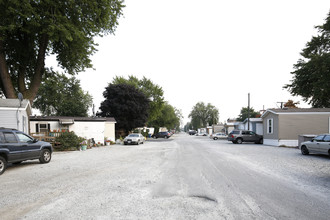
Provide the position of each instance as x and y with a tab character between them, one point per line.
210	51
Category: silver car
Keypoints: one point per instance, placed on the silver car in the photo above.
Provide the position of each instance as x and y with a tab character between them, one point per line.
134	139
319	145
217	136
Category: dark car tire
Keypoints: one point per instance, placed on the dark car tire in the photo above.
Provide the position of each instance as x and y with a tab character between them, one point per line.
234	142
304	150
46	156
215	138
239	141
3	165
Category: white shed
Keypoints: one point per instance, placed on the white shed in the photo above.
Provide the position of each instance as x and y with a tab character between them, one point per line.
15	114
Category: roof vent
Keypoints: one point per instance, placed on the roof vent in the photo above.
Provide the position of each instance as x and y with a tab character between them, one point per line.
285	108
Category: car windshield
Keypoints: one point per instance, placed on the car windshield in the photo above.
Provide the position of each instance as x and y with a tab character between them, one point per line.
24	138
133	135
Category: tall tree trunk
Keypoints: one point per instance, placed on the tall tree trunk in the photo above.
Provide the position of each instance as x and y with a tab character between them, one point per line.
39	70
6	82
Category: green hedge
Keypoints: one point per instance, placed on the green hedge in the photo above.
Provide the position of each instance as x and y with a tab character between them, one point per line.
69	141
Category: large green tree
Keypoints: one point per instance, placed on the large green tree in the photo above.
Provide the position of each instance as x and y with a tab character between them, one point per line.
62	96
170	118
152	91
203	115
30	30
245	114
128	105
311	78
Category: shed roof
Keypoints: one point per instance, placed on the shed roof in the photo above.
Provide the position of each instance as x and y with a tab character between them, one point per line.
253	120
16	104
69	118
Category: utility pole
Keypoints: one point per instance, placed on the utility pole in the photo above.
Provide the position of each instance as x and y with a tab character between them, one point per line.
281	104
248	111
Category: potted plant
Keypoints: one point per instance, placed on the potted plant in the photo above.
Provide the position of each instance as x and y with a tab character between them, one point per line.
107	141
83	145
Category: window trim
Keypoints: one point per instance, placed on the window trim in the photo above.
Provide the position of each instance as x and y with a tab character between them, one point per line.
45	129
270	126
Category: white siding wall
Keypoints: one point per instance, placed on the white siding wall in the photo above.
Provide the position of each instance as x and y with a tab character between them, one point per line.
54	125
13	119
23	123
109	131
89	130
245	126
260	129
241	126
8	119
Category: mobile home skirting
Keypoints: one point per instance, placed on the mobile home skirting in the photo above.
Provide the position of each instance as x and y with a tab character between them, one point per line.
274	142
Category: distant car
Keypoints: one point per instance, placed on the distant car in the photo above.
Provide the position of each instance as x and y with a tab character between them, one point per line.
192	132
217	136
240	136
163	134
320	145
16	147
134	139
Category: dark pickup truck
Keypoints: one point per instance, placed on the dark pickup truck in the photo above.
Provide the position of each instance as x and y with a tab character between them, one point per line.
16	146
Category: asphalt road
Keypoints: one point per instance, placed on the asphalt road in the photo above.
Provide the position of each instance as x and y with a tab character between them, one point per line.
184	177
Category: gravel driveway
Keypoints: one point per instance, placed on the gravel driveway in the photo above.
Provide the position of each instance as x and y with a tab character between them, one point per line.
184	177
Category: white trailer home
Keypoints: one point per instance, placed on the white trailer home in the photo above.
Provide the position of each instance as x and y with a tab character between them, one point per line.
15	114
97	128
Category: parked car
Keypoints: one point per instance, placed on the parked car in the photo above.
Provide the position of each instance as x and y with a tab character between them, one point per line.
16	147
320	144
240	136
163	134
192	132
134	139
217	136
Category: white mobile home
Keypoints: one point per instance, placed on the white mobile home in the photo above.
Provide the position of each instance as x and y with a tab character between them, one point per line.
88	127
15	114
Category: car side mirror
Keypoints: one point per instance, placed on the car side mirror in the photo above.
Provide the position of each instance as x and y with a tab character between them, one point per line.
35	140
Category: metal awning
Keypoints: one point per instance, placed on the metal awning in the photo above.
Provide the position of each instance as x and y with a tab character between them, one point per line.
66	121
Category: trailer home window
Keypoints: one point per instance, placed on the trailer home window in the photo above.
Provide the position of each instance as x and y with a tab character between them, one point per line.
270	126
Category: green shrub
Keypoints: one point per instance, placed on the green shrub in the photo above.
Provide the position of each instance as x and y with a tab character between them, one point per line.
145	133
69	141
